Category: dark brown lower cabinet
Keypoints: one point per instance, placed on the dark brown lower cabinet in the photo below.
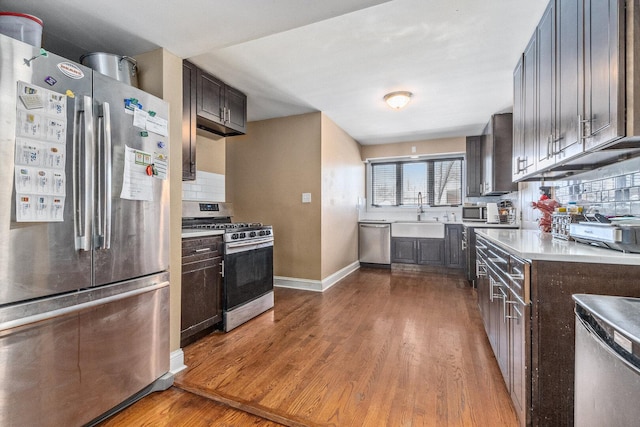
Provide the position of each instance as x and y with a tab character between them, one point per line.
431	251
201	298
519	359
534	343
499	329
411	250
454	254
445	252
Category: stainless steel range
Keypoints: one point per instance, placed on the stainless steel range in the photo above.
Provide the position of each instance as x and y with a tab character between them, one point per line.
248	259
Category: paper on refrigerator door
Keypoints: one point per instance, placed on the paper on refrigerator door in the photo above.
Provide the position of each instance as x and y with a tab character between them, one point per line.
137	184
150	122
40	154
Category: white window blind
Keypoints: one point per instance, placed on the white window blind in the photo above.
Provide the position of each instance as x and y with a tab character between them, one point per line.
398	183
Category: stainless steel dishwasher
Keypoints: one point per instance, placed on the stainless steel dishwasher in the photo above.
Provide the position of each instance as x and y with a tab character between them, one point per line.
375	244
607	364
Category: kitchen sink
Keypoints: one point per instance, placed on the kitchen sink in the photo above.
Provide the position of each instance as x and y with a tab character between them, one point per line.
422	229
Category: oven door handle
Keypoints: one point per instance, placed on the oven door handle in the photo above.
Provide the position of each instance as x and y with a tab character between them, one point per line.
234	248
249	243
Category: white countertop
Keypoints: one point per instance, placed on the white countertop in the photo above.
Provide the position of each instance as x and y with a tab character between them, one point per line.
470	224
479	224
198	232
535	245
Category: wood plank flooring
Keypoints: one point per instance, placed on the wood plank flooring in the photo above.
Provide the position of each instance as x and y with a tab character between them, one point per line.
380	348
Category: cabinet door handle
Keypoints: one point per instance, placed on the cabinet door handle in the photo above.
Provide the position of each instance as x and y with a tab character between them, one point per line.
202	250
555	144
581	124
518	315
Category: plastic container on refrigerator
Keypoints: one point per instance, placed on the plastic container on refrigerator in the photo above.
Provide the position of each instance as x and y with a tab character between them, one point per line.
23	27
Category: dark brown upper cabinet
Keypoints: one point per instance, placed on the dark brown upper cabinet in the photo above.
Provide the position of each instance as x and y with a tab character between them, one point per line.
497	146
189	73
208	104
474	166
220	108
573	90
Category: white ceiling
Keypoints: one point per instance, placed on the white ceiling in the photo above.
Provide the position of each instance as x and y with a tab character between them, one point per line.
336	56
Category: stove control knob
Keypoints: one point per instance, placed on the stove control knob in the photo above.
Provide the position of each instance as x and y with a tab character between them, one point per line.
261	233
243	235
234	236
252	234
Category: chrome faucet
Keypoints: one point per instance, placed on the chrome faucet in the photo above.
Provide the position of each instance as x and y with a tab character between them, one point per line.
420	209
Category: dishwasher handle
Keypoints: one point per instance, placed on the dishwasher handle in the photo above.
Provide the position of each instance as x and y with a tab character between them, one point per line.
374	225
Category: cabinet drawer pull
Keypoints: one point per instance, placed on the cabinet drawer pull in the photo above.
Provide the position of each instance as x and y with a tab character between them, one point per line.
202	250
481	269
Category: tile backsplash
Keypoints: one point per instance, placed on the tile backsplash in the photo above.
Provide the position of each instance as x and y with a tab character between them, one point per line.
610	190
207	187
615	192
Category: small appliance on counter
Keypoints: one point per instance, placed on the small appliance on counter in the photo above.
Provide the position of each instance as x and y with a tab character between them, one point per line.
474	213
561	222
622	234
493	215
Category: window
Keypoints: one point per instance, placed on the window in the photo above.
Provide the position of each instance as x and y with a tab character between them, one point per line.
398	183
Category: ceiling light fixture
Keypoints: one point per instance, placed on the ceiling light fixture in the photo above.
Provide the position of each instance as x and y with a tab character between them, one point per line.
397	100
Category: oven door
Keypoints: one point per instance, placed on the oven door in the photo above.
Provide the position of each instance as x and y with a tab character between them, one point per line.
248	271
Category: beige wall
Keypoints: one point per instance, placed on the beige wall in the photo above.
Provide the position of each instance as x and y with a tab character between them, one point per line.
210	152
161	75
342	179
427	147
267	171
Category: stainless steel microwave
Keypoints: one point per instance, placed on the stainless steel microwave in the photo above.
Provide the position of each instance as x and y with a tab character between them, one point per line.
474	213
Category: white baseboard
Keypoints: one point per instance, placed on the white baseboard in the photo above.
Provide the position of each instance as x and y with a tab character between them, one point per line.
315	285
293	283
176	361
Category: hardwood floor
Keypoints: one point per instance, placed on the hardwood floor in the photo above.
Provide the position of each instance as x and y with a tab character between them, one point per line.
380	348
175	407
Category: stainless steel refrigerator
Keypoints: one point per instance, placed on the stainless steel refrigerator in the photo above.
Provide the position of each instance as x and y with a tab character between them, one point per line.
84	240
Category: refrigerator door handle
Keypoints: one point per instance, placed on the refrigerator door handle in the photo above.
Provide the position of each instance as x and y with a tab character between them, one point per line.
104	176
82	160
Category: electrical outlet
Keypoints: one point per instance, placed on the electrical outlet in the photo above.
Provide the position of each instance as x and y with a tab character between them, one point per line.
306	197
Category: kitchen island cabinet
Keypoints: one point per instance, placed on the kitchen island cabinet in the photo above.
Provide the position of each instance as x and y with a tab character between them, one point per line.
503	299
544	348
